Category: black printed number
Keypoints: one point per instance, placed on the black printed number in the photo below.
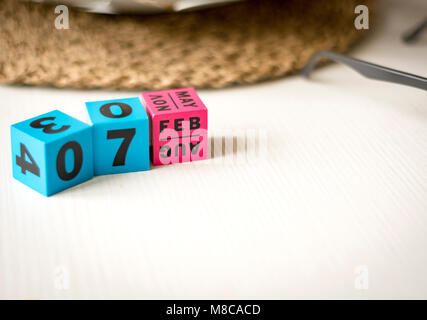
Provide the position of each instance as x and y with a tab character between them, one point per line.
47	128
125	108
24	164
78	161
127	135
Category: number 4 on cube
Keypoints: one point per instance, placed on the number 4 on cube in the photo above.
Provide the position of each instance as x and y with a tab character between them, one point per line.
52	152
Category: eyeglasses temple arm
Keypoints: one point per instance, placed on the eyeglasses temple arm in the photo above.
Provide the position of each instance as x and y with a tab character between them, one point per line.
413	34
369	70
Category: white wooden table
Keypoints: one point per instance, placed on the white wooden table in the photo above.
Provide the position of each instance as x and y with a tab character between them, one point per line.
335	207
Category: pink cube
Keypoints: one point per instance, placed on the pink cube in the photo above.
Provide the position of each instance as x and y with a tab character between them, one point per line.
179	125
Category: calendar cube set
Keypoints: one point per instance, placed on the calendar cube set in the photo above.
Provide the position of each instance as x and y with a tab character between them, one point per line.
54	151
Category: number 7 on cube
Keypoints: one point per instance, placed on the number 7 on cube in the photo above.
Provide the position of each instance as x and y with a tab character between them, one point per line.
120	136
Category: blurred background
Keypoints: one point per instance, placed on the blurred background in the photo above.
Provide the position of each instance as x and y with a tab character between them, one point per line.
230	43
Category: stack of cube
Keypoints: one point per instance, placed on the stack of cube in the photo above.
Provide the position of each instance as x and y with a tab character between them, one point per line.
54	152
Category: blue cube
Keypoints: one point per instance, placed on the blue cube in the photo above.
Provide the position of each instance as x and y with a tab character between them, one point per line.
52	152
120	136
